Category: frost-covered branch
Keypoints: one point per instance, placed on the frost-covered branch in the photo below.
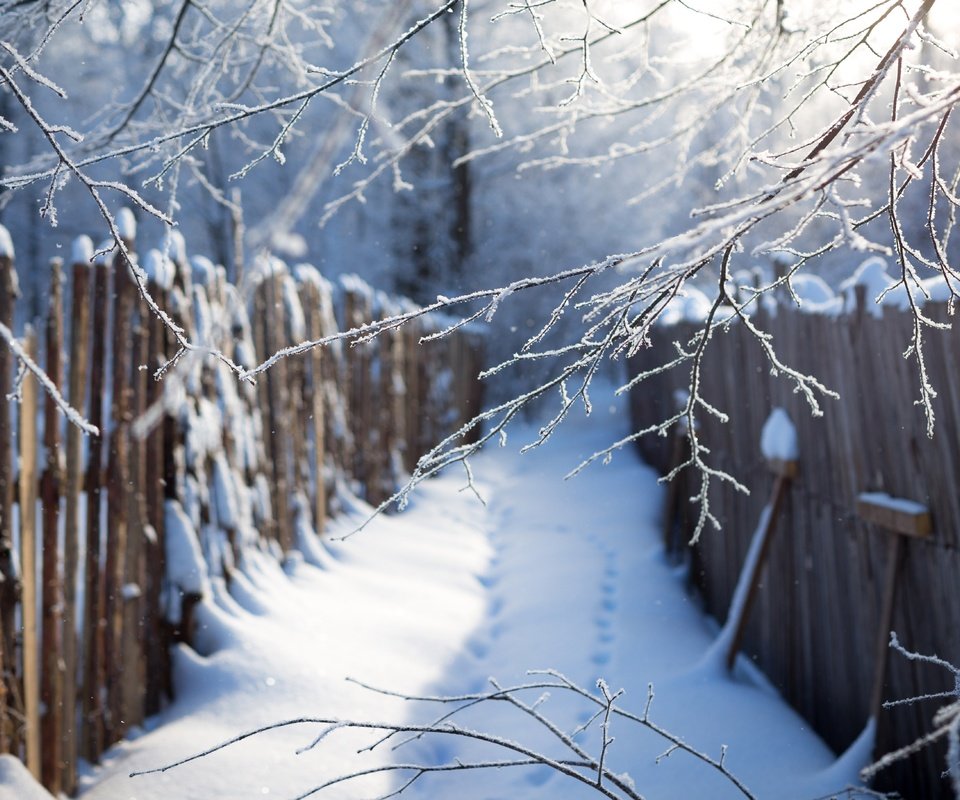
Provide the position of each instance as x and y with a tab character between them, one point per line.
754	130
573	761
946	721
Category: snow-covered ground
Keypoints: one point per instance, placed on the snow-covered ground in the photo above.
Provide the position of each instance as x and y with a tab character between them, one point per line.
548	574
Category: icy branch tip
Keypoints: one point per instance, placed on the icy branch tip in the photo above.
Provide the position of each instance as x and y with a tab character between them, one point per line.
6	243
102	254
82	252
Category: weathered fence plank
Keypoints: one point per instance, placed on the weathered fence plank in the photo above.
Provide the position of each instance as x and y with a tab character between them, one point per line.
95	587
28	562
51	676
9	580
73	485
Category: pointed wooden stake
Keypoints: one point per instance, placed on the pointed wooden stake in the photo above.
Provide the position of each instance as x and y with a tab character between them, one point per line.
785	472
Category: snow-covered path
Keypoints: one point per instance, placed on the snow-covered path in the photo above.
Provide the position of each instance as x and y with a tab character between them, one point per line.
549	574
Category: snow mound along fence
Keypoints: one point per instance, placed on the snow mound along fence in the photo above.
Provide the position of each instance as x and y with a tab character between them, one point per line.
816	618
99	574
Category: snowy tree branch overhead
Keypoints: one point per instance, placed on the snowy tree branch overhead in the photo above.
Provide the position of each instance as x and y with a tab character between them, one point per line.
751	129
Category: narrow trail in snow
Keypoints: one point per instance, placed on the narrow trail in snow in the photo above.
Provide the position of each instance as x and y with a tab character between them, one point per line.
565	575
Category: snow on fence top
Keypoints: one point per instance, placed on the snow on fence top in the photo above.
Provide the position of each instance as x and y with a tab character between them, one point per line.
159	269
6	243
82	251
811	294
778	438
126	224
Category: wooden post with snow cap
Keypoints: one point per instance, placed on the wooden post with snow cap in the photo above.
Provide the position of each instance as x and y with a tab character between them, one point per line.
94	613
9	585
778	441
118	486
160	274
73	485
900	518
133	644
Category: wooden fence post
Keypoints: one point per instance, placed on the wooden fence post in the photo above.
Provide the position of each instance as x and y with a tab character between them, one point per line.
95	592
414	398
51	676
314	400
9	581
900	518
155	475
133	643
118	493
278	422
28	561
79	343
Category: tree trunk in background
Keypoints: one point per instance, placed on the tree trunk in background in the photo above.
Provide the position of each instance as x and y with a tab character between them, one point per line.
432	222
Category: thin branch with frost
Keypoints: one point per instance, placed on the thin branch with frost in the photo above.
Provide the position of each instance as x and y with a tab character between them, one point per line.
790	120
576	763
73	416
946	721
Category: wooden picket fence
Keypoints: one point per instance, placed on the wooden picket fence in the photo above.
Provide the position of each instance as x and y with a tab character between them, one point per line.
88	608
816	618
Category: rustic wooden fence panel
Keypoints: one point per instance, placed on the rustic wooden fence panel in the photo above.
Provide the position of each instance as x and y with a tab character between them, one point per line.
815	622
231	465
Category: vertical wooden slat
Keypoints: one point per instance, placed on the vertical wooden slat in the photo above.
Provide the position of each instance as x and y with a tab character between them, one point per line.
260	324
154	477
9	582
94	613
118	494
314	401
79	345
277	410
51	676
28	562
134	674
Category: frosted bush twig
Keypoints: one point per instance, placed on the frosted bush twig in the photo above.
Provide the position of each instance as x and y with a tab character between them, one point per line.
576	764
946	721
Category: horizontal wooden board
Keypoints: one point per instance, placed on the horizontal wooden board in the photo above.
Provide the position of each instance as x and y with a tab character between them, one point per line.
908	521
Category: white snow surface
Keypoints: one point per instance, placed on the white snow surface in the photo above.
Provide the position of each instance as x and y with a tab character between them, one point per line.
6	243
126	224
159	269
548	574
778	438
82	250
872	274
16	783
893	503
